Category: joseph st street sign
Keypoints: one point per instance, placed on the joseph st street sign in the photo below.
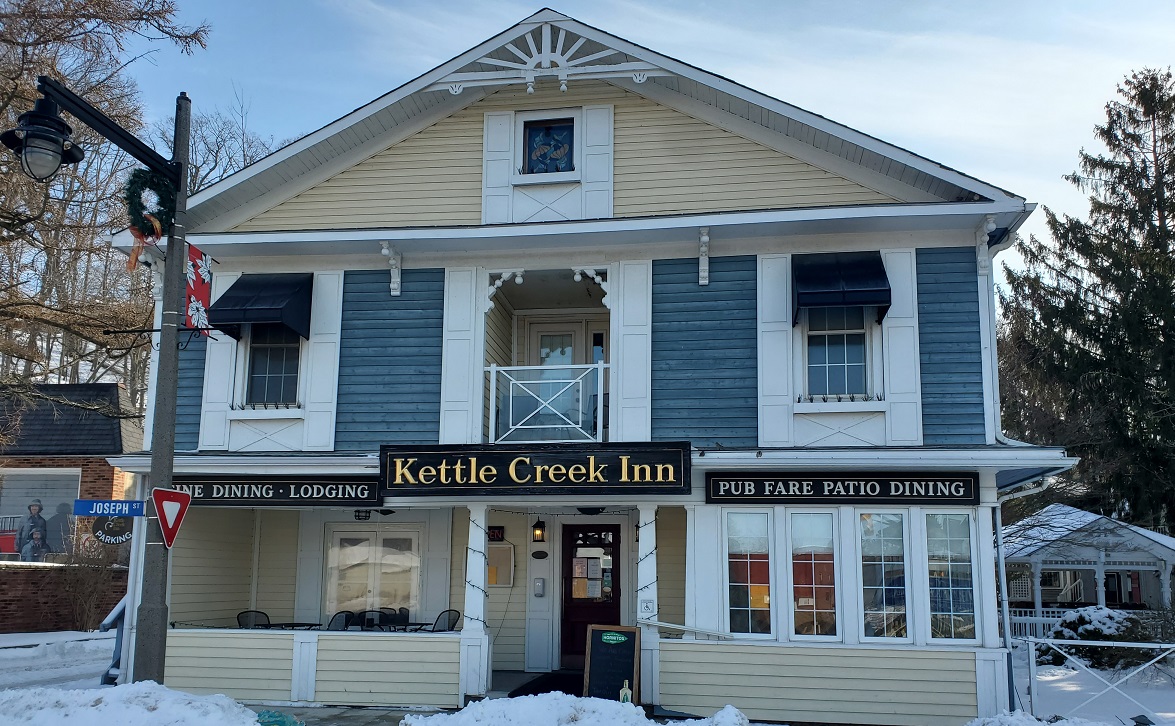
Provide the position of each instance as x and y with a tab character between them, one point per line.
605	469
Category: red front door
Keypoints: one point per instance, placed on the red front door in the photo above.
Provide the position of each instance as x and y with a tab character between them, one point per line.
591	585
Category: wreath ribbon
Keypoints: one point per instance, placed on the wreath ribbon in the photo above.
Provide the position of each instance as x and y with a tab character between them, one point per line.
147	226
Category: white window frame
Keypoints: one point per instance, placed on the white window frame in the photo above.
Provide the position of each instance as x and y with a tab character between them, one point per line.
242	410
910	560
786	566
773	587
521	118
925	574
874	380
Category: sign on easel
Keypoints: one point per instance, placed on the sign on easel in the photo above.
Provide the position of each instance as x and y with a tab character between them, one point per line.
612	669
171	506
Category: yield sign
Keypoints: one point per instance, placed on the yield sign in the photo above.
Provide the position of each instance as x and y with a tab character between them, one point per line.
171	506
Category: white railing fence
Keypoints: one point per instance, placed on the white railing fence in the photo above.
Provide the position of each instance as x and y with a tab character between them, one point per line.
1027	624
553	404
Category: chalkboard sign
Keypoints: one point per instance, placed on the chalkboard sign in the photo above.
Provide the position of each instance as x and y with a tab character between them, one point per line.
613	657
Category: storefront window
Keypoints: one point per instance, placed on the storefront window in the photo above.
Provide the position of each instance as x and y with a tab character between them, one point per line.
813	574
748	557
883	575
373	569
952	590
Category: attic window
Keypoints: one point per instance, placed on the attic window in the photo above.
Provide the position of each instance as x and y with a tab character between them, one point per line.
548	146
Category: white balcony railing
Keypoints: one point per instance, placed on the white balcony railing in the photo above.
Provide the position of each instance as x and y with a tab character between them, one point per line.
552	404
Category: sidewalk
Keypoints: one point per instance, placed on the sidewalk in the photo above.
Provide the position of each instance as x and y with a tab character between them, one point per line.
339	715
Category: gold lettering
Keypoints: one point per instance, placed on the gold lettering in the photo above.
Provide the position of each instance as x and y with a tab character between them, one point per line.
486	475
665	472
558	473
623	468
427	474
576	473
403	473
597	470
642	472
514	470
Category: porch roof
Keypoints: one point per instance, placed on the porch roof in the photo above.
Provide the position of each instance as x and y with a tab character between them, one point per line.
1058	524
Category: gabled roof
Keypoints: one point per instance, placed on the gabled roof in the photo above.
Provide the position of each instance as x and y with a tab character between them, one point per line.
51	427
1059	523
549	46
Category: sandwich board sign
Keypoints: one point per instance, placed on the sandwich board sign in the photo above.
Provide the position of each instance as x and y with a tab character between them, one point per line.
171	506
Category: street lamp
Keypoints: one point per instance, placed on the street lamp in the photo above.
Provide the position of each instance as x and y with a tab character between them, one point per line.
42	142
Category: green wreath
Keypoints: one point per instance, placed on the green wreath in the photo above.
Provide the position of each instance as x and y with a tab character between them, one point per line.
142	180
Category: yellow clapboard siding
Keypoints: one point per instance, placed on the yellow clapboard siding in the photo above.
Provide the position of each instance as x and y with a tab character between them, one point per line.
665	162
246	666
277	564
397	669
839	684
211	566
671	565
506	606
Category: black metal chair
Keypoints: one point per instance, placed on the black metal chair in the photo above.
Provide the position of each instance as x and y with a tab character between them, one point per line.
341	620
370	620
394	619
403	617
446	622
252	619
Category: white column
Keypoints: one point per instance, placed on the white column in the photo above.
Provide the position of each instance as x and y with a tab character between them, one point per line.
1165	584
646	599
1099	582
475	642
1036	596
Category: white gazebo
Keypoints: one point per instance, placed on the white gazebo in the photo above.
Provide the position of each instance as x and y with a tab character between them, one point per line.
1062	558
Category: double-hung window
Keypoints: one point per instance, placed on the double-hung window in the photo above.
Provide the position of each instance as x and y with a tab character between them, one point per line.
837	343
748	553
952	585
813	569
883	575
274	351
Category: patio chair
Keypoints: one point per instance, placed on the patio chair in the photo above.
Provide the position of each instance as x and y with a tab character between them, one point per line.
252	619
446	622
341	620
370	620
394	619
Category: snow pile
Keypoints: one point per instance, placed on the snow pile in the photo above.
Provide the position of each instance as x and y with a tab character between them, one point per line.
59	651
1019	718
1091	623
75	660
135	704
560	709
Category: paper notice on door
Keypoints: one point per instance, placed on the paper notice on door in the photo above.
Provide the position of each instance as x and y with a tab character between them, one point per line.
595	589
593	568
579	587
579	567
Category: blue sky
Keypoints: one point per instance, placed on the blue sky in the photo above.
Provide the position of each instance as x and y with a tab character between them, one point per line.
1004	91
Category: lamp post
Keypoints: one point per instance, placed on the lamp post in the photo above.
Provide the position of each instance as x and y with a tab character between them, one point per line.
42	142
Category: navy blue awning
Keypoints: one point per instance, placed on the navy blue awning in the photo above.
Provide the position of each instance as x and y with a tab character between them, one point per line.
839	279
283	299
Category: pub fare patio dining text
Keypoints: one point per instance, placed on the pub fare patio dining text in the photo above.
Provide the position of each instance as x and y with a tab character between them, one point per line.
815	488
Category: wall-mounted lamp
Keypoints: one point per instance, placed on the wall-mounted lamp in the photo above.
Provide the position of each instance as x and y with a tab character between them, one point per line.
539	533
362	515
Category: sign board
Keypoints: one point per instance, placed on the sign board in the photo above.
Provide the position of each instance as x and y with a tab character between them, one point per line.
613	657
112	530
277	491
171	506
811	487
109	508
535	469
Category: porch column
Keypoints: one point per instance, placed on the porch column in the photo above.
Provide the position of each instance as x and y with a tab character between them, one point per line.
646	599
1036	594
1165	584
1099	579
475	642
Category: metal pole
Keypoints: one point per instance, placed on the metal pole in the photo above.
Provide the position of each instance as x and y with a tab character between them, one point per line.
151	628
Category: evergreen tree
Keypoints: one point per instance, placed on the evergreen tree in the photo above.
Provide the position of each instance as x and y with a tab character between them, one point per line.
1088	333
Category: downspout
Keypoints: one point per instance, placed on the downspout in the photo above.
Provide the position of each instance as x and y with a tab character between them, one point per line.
1005	608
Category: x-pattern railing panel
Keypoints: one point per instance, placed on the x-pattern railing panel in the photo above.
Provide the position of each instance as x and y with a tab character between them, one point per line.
556	404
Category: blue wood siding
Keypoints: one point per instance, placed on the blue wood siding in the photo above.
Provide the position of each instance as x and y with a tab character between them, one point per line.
705	353
189	394
390	360
950	347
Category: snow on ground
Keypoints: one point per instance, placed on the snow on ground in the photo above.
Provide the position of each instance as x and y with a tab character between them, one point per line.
1061	689
66	660
136	704
560	709
1019	718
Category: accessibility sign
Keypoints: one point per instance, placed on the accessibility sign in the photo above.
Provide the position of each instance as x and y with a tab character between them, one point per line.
109	508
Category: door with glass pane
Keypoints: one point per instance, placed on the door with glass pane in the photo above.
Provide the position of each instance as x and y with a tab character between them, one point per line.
555	402
591	586
369	569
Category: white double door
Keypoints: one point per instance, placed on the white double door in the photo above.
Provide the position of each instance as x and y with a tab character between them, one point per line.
373	567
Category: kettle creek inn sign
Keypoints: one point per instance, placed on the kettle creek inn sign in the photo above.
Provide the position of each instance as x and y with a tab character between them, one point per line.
811	487
605	469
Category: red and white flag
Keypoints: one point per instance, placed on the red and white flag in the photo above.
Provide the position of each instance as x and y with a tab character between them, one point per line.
198	295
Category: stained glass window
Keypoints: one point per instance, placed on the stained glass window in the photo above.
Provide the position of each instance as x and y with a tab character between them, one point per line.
550	144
